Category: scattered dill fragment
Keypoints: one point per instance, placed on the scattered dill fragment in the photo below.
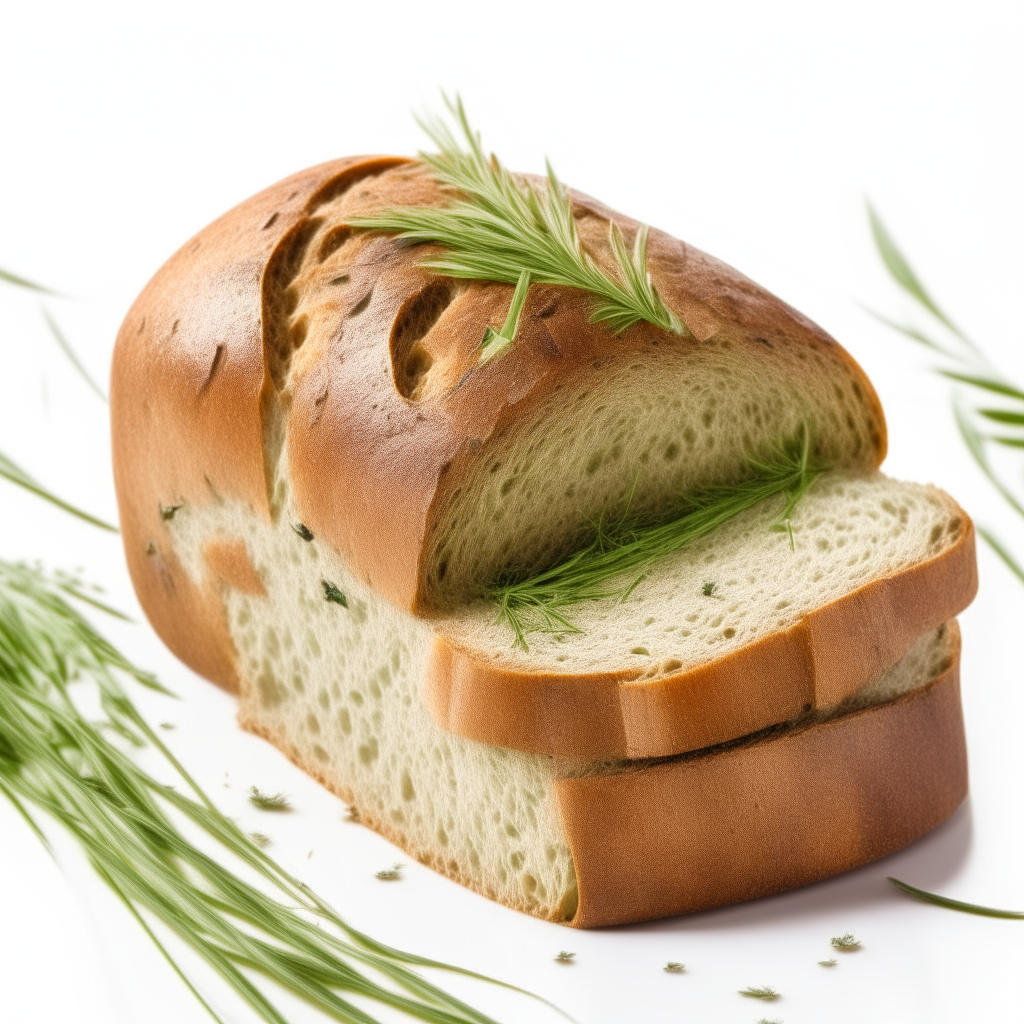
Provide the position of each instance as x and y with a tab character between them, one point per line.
390	874
303	531
332	593
261	839
830	962
500	226
268	801
622	554
674	967
708	590
765	1020
495	342
167	511
844	942
168	726
565	957
765	992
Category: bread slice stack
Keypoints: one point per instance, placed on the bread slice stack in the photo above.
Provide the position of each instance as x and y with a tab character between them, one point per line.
322	491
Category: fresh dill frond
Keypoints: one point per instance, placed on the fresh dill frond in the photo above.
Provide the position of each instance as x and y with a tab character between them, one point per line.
76	770
765	992
72	356
333	594
10	470
499	226
844	942
390	874
564	956
620	555
673	967
269	801
22	282
830	962
967	366
261	839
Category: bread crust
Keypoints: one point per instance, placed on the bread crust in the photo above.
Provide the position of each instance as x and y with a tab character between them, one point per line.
745	822
186	383
207	374
817	662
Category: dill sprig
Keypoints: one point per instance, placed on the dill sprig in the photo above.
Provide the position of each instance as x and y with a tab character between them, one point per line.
268	801
11	471
845	942
950	904
78	771
830	962
966	365
621	555
500	226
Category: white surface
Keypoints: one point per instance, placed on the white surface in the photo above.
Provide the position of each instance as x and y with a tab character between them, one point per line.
752	130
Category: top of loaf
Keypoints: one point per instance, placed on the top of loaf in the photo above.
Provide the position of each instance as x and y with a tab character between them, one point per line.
280	350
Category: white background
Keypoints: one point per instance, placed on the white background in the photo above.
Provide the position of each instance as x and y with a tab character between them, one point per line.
753	130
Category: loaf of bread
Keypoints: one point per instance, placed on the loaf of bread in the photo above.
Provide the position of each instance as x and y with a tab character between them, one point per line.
319	482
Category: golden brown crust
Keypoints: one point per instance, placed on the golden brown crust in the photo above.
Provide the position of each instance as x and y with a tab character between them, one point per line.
186	419
747	822
825	657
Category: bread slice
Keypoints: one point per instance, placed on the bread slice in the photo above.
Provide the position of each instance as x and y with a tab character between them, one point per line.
331	672
746	627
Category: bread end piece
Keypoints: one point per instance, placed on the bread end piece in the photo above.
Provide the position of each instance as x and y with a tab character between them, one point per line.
757	819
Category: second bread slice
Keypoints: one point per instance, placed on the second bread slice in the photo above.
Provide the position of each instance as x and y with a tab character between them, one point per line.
743	629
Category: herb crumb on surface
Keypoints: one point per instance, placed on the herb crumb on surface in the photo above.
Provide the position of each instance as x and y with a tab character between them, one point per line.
565	957
268	801
765	992
845	942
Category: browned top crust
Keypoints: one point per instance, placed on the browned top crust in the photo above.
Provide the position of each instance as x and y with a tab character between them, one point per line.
249	335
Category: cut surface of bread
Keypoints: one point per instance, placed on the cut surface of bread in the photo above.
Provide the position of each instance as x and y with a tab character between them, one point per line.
746	627
331	672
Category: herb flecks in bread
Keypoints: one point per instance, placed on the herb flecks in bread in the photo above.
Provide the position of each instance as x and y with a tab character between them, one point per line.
501	226
622	553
